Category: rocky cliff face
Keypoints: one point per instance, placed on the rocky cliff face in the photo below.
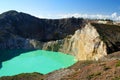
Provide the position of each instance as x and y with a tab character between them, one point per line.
85	44
12	42
27	26
71	36
90	42
110	35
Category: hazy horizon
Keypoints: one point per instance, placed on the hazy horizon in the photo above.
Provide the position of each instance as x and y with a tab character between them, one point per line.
54	9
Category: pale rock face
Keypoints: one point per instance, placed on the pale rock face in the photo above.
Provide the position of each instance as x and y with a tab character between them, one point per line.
53	45
86	44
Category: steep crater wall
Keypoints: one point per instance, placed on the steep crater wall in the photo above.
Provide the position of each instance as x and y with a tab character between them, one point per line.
71	35
110	34
85	44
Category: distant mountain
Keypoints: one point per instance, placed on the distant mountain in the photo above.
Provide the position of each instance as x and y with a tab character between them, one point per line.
83	38
27	26
17	28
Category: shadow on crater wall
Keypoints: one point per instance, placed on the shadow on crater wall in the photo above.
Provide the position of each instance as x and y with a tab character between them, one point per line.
9	54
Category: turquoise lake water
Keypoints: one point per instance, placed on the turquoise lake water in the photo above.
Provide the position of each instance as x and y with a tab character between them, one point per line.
36	61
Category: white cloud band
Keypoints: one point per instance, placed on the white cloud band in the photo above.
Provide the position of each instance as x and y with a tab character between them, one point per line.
113	16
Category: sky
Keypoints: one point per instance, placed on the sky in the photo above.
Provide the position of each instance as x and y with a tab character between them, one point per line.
64	8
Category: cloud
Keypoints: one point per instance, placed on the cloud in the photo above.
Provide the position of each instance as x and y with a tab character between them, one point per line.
113	16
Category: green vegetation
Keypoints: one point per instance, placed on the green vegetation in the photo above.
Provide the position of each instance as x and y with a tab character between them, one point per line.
24	76
93	75
116	78
87	62
118	64
54	47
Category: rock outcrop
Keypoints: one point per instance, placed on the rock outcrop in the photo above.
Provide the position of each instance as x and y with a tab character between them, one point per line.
110	35
71	35
18	42
85	44
27	26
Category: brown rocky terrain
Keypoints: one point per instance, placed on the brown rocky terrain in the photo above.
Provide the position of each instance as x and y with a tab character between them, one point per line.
109	69
100	70
93	44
